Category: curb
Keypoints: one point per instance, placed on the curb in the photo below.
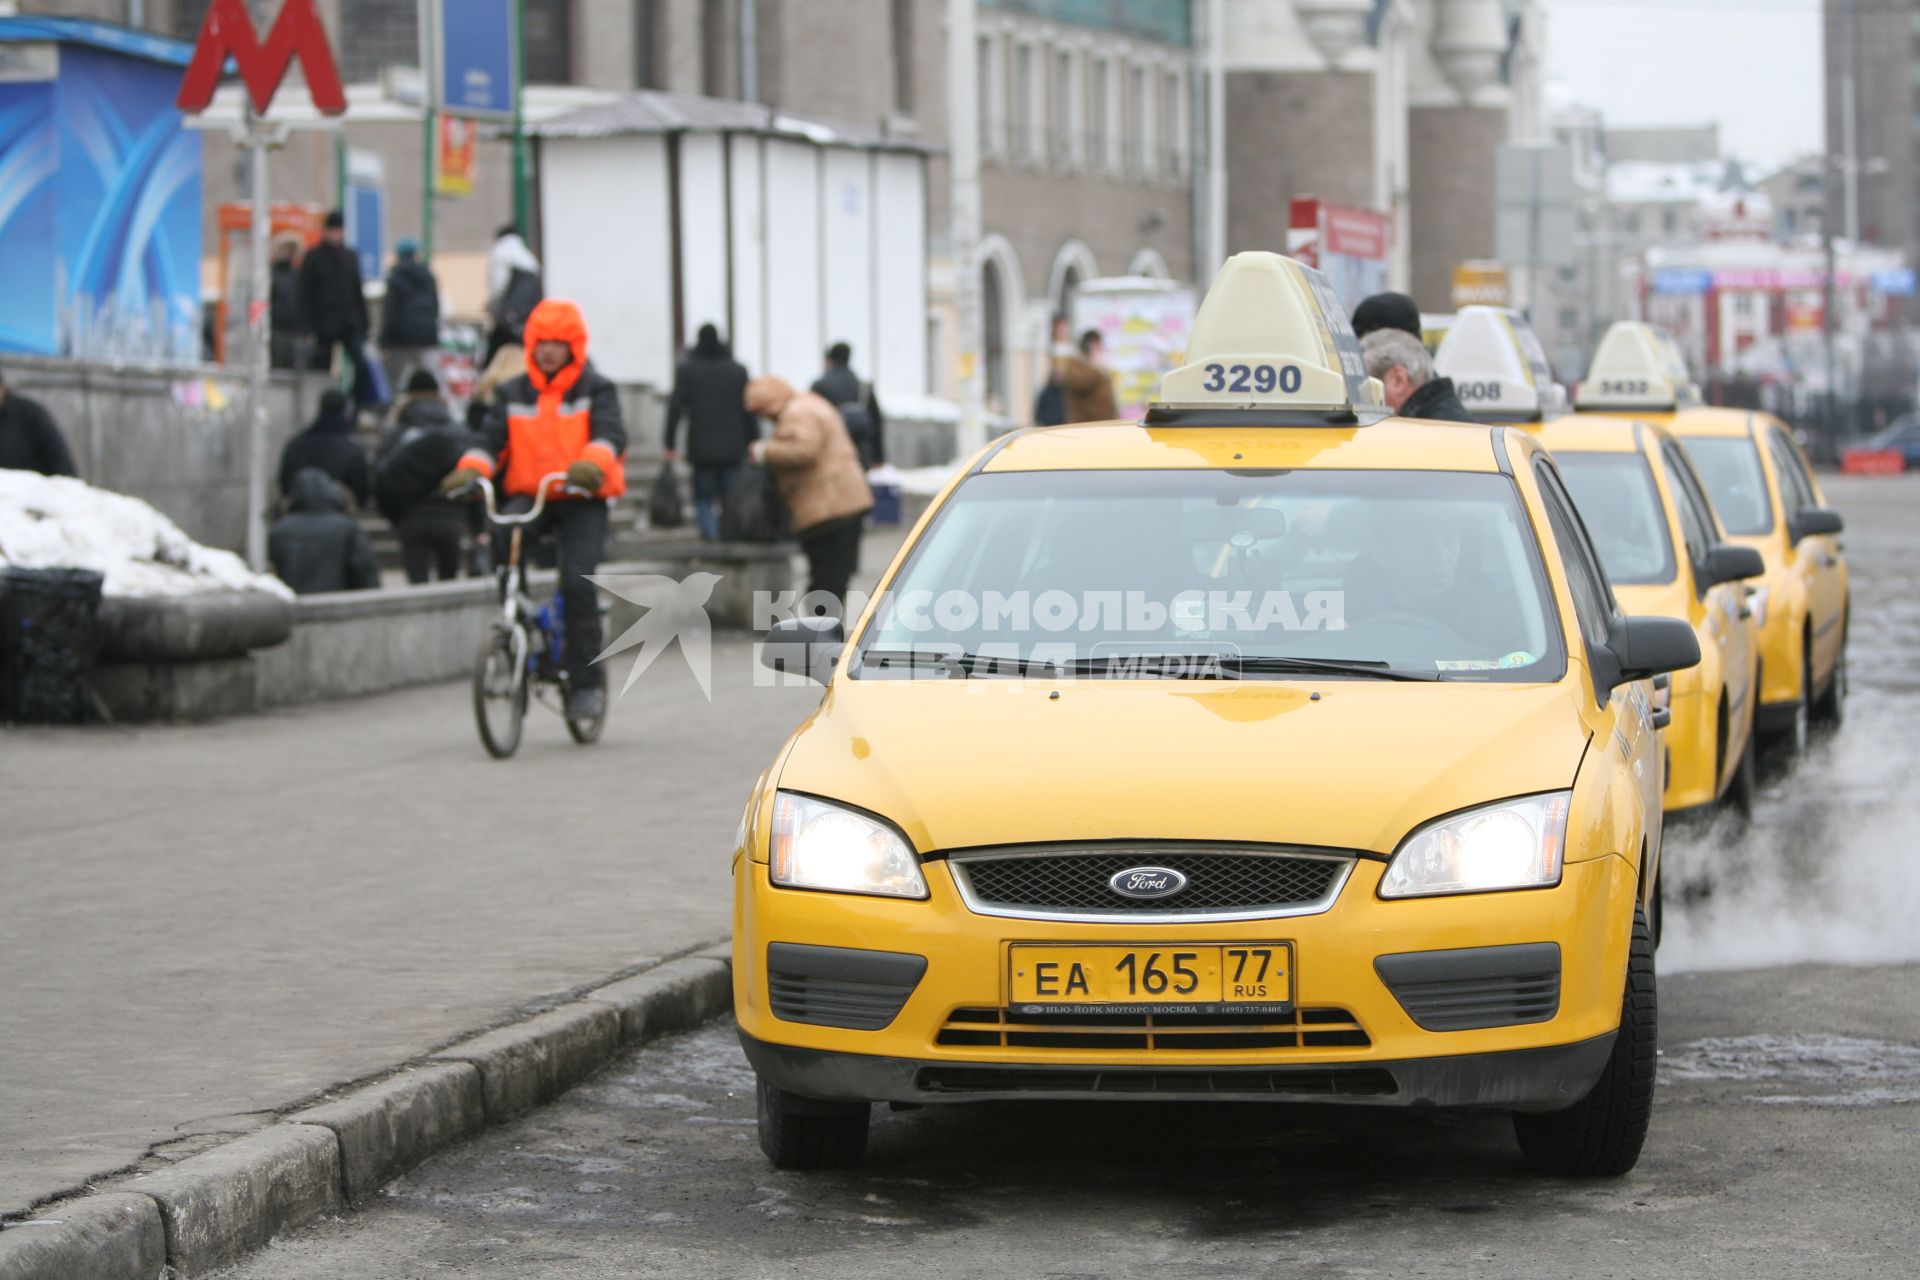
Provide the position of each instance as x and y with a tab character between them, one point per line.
207	1211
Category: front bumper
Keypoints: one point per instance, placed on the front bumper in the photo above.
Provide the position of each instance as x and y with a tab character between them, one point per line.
845	996
1545	1079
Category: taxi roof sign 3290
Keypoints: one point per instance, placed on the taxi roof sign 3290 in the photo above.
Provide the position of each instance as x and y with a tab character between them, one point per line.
1270	335
296	33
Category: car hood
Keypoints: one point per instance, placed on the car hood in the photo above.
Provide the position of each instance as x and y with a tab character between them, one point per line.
1351	764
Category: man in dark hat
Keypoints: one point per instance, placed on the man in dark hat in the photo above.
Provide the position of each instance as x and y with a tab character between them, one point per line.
1387	311
335	306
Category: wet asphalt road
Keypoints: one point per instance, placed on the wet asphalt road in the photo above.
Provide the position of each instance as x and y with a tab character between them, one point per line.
1785	1141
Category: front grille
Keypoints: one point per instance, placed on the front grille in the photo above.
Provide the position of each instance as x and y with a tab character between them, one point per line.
1227	1032
840	986
1075	883
1254	1082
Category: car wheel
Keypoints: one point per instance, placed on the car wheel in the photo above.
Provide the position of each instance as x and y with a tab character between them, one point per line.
1601	1135
1797	733
1744	786
1832	707
806	1133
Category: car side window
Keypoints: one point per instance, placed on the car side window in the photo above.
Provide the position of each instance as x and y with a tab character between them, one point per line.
1592	597
1798	486
1696	527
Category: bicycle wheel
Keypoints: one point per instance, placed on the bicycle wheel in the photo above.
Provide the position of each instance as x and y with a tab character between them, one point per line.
500	690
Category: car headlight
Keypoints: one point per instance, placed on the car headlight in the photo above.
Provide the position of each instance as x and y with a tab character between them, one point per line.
816	845
1516	844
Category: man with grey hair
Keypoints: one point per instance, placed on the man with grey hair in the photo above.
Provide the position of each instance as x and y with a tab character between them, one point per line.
1405	369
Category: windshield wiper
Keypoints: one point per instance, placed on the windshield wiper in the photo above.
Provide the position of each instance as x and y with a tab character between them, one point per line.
966	664
1365	669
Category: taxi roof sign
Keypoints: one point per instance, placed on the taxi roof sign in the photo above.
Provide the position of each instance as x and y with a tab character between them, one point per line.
1271	334
1638	366
1498	367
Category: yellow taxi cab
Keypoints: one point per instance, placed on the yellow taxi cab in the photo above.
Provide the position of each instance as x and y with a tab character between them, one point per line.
1659	540
1271	749
1767	498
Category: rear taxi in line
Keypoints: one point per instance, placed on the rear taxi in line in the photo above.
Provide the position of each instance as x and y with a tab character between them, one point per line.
1767	498
1272	749
1662	546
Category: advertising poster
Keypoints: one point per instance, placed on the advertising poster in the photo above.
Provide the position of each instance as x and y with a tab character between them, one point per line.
1144	326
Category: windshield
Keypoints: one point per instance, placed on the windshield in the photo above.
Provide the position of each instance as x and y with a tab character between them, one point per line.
1622	512
1730	467
1433	574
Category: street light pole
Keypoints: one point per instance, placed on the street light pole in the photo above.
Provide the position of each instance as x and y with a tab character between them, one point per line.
963	157
259	333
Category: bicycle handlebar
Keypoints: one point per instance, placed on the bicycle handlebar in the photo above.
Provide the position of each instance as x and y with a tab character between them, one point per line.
546	486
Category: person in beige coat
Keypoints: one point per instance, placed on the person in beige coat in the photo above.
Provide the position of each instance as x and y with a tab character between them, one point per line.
817	470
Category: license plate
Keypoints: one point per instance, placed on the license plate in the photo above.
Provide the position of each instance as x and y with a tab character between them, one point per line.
1252	977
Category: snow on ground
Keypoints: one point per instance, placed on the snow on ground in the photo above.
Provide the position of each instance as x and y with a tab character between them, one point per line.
53	522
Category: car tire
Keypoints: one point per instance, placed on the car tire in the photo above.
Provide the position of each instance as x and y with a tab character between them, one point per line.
1831	709
1744	787
1601	1135
806	1133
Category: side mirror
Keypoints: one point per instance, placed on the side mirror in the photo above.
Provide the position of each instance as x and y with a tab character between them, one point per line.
1729	563
1646	646
804	647
1810	521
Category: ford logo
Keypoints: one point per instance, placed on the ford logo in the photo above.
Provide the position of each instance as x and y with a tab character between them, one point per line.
1147	882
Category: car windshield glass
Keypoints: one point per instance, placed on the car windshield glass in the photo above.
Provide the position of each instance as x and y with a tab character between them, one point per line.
1622	512
1370	574
1730	466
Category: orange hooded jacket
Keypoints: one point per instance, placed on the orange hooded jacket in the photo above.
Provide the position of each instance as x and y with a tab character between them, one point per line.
539	425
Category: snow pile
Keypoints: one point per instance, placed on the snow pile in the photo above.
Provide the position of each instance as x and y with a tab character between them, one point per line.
53	522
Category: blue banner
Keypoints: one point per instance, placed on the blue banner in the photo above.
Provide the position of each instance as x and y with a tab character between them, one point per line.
1894	282
99	209
475	57
1682	280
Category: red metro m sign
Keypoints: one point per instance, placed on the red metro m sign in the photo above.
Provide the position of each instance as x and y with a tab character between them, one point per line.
228	32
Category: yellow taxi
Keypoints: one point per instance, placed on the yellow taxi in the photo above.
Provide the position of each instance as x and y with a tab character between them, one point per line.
1273	748
1659	540
1767	498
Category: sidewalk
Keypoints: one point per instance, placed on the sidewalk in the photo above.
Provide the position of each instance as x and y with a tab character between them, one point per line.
203	925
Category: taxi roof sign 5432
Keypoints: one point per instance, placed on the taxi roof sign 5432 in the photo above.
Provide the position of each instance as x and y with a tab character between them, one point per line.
1638	366
296	33
1270	335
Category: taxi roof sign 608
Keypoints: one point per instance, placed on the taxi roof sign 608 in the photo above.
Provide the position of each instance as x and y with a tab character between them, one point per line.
1270	335
1498	366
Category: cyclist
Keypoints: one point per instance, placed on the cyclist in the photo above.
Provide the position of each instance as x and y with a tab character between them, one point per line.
560	415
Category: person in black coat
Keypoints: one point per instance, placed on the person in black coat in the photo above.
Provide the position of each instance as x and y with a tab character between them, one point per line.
334	305
841	387
709	391
30	440
410	315
317	546
416	453
1405	369
286	324
328	444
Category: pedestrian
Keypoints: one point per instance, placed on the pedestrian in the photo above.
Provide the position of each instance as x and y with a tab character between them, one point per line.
709	391
317	546
416	453
335	307
514	288
1087	382
286	325
560	415
410	314
30	440
842	388
1405	369
821	481
1050	406
1387	311
328	445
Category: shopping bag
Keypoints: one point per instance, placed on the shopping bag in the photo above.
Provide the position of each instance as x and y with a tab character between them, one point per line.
753	511
665	510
